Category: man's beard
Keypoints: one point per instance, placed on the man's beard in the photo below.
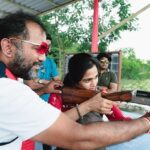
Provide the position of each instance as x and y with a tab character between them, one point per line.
33	72
20	67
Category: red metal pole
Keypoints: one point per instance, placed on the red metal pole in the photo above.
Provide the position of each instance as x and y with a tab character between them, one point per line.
94	47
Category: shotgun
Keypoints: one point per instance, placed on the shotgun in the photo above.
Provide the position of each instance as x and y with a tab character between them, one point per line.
73	96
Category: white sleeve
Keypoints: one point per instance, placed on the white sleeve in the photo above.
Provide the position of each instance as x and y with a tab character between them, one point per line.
22	111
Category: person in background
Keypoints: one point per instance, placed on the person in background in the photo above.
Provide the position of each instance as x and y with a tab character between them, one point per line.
47	72
107	79
24	115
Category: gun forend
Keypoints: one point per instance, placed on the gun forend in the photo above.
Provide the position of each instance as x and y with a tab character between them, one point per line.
77	96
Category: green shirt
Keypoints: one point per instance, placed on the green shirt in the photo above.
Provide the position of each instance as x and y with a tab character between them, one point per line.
106	78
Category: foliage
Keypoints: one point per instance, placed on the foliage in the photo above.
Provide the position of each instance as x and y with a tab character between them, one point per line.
71	26
140	84
133	68
135	72
110	18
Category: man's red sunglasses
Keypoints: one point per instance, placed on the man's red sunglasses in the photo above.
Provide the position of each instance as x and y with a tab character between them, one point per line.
42	48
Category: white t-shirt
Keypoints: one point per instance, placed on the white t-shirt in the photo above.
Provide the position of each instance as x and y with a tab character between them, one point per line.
22	113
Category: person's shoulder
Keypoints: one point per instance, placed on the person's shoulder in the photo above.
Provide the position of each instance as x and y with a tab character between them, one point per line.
111	72
7	81
13	85
49	59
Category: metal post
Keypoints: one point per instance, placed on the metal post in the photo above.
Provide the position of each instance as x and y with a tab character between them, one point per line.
94	47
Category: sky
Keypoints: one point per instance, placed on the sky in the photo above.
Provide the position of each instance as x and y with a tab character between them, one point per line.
138	40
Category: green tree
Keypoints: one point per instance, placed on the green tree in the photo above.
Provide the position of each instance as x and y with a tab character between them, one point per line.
71	26
133	68
115	11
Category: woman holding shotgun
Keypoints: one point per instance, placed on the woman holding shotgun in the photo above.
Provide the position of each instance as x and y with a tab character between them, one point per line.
83	73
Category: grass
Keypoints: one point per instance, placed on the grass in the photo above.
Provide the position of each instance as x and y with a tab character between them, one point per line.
135	84
143	85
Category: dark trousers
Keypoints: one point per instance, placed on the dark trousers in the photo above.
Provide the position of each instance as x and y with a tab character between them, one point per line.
46	147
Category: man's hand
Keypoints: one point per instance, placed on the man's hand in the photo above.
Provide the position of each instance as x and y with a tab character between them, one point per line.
146	115
41	86
53	87
34	84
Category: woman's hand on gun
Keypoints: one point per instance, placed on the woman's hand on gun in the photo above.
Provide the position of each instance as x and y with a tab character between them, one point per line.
101	105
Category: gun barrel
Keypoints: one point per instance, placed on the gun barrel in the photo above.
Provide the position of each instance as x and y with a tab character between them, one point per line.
124	96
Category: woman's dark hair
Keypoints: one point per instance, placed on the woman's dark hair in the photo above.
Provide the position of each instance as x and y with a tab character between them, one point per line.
106	55
15	24
77	66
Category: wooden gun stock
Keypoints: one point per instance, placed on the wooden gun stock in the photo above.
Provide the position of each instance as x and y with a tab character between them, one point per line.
76	96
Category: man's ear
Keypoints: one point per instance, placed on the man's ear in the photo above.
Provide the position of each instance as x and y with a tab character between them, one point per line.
6	47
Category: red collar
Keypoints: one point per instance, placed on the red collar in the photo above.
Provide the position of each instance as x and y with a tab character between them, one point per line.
10	75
